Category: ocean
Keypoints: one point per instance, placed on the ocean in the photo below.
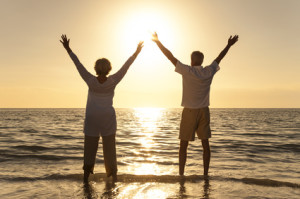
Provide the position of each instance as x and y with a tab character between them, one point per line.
255	153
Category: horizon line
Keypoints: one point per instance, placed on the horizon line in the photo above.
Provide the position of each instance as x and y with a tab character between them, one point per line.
151	107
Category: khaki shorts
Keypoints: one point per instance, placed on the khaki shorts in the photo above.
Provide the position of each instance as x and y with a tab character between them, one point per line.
195	120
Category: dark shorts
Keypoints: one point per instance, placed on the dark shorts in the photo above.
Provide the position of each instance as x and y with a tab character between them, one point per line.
195	121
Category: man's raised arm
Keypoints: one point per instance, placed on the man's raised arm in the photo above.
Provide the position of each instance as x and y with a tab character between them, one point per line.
166	52
231	41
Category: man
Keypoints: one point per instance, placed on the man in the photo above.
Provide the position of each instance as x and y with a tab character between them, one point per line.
196	81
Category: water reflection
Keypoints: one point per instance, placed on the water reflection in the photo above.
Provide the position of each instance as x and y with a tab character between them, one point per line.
89	192
147	119
110	190
145	190
161	187
147	169
182	188
205	189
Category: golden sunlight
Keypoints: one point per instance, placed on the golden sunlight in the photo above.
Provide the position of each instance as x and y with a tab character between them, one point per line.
146	169
156	193
145	190
148	117
140	27
148	113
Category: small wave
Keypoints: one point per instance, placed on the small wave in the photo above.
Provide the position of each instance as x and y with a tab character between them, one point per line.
29	131
289	147
269	182
65	129
128	178
60	136
40	157
5	127
31	148
12	119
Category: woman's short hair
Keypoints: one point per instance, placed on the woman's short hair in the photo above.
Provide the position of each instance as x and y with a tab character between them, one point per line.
102	66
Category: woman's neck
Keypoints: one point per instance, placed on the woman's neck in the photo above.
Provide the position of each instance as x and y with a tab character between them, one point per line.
101	79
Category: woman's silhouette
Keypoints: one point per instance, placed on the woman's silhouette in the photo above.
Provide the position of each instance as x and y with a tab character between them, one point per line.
100	117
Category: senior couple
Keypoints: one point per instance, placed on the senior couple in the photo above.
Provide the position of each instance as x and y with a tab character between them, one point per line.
100	116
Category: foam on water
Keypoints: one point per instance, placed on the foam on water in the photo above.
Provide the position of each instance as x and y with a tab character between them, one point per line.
130	178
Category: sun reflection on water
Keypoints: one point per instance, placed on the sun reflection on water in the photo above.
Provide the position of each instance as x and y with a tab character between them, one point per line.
147	169
148	119
147	190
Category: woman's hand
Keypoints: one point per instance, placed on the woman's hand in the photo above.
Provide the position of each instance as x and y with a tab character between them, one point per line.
65	42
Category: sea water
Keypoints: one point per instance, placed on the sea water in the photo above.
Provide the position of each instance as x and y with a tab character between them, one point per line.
255	153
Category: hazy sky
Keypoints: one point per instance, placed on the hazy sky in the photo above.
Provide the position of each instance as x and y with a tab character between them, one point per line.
261	70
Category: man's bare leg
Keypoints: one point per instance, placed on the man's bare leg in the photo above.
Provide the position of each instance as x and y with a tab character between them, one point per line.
206	155
182	155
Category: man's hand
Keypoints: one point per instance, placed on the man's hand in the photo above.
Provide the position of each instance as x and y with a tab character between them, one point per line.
139	48
164	50
65	42
232	40
154	37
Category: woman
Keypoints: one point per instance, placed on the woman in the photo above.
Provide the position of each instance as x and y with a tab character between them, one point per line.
100	116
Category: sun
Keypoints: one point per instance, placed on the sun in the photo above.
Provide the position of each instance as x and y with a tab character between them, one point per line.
140	26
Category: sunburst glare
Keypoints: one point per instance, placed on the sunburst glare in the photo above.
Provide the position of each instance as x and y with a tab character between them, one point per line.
141	26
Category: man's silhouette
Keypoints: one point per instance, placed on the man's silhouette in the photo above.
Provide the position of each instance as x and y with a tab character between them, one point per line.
196	81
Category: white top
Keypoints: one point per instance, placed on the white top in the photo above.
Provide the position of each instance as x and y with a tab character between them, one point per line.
196	82
100	117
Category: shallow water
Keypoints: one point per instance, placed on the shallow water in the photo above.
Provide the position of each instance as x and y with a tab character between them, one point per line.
255	154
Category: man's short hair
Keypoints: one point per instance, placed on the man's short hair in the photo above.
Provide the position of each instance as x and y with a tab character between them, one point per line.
197	58
102	66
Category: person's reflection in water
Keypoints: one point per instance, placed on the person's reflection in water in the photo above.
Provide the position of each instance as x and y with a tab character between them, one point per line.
206	188
182	188
110	191
89	192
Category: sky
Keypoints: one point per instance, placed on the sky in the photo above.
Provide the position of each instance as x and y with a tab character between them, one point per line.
260	71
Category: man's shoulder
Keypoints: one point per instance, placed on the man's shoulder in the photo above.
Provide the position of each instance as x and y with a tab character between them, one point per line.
214	63
182	68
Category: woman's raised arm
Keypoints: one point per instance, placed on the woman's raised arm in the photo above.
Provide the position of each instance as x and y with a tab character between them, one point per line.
81	69
120	74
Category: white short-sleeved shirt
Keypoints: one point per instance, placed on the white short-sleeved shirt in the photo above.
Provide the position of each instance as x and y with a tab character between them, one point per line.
100	116
196	81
